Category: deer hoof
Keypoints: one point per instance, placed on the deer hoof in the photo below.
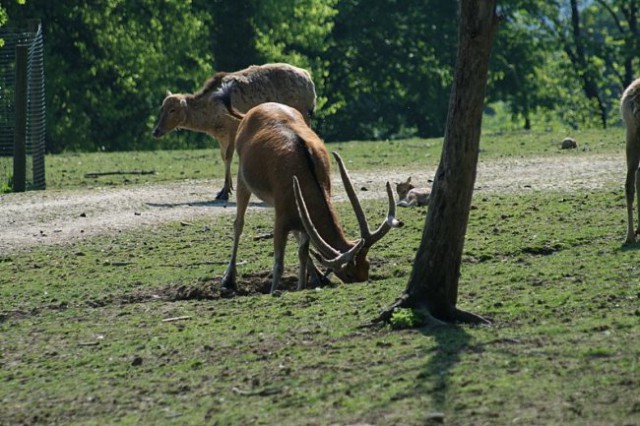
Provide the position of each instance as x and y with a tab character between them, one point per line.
227	292
223	195
228	282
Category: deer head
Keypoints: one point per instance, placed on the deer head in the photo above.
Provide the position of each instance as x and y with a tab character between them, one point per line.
352	265
173	114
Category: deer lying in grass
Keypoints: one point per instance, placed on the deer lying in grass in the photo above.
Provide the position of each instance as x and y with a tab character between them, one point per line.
630	109
204	112
409	195
286	164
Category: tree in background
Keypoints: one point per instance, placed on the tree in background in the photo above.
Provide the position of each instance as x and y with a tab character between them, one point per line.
4	17
518	67
599	54
297	32
385	58
616	42
374	62
233	33
108	67
565	58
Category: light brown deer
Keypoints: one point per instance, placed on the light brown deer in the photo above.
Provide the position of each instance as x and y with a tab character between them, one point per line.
630	109
203	112
409	195
285	164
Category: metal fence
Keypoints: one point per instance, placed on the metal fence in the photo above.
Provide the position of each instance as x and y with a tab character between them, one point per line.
27	160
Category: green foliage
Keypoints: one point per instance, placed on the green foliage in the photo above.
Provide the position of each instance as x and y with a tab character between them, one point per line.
298	32
383	69
4	17
108	67
390	67
406	318
6	186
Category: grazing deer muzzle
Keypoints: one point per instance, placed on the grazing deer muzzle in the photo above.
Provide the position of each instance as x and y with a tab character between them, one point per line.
286	164
351	265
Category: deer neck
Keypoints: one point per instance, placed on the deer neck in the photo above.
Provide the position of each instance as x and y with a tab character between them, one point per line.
202	116
328	226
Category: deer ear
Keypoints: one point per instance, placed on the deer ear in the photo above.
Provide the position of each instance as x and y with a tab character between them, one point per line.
183	102
409	180
169	93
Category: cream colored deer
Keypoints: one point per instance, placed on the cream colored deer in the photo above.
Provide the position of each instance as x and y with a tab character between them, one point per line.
630	109
203	112
409	195
284	163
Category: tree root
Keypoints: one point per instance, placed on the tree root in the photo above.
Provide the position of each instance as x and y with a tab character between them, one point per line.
458	315
386	314
453	315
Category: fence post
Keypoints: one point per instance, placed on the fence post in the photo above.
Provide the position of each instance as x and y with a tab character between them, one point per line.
35	105
33	25
20	132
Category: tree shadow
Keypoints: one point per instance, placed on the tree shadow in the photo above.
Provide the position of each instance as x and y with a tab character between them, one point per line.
434	379
625	247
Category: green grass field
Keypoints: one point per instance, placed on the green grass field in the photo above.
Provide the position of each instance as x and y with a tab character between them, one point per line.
130	329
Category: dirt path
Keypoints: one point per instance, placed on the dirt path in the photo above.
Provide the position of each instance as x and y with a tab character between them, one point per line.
55	217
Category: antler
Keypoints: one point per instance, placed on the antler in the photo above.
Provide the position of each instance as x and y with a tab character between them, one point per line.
329	256
390	221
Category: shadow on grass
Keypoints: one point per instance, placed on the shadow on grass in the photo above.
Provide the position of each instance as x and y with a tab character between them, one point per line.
434	379
626	247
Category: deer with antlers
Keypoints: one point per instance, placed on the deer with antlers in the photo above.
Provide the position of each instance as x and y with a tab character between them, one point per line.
285	163
630	109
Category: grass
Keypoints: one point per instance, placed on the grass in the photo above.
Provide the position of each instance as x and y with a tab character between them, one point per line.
84	337
77	170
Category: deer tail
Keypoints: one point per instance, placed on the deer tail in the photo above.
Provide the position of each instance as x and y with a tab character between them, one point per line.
224	95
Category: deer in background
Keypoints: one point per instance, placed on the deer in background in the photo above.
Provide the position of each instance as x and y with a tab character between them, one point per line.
630	109
284	163
204	112
409	195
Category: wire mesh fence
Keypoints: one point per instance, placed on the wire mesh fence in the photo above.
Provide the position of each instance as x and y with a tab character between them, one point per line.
35	107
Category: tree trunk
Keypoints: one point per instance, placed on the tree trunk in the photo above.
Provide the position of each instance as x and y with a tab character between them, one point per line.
579	59
433	285
234	35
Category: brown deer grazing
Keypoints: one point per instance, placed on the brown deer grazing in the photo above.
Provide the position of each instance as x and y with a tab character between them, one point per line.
630	109
204	112
285	163
409	195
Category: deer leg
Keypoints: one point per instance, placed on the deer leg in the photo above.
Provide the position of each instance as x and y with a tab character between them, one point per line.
632	181
629	190
637	173
318	279
314	275
279	245
227	155
303	257
229	277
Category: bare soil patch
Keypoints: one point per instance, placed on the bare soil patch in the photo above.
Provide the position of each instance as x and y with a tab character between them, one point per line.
58	217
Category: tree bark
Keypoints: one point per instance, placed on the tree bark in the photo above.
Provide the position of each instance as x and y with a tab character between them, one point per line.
433	285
